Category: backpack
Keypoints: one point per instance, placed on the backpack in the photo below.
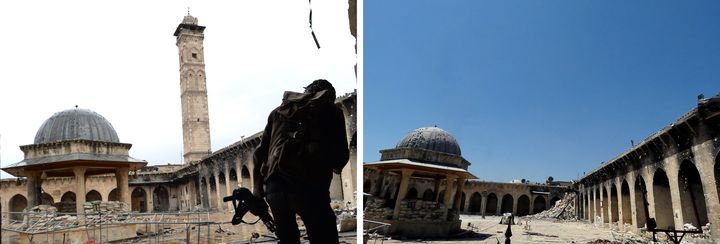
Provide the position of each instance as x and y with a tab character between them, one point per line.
301	148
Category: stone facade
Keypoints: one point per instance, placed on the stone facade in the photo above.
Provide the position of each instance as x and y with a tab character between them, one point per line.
477	197
672	177
187	187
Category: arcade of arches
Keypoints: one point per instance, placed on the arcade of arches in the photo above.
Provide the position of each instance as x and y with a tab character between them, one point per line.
671	177
187	187
483	200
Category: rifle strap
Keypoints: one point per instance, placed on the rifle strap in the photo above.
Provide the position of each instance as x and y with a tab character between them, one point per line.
243	221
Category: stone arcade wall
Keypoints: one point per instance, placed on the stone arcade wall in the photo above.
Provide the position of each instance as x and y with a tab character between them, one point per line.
224	170
189	187
677	168
478	197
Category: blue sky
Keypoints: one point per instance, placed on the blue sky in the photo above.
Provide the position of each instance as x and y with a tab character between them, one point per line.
532	89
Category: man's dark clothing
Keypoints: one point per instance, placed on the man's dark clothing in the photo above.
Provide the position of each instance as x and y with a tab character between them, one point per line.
303	143
310	202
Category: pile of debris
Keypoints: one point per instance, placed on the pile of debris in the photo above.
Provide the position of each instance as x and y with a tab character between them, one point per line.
44	218
375	209
419	210
106	212
65	207
563	209
705	230
47	218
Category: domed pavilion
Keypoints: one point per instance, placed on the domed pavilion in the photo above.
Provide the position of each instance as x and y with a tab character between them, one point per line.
75	143
428	153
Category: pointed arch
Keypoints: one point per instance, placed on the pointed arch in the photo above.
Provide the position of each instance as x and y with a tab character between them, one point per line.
523	205
491	205
93	195
663	204
113	195
507	204
539	204
692	195
46	199
412	193
138	200
625	205
641	201
161	199
475	203
18	203
428	195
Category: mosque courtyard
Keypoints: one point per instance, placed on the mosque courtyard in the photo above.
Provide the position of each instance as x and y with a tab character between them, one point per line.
527	230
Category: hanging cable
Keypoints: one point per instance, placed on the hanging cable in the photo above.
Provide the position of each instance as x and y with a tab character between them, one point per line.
311	29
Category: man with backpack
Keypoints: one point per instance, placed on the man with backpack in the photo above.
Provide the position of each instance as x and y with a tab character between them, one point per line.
304	142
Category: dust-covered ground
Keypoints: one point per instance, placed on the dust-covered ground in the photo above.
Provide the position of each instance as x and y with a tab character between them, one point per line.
528	230
225	232
220	232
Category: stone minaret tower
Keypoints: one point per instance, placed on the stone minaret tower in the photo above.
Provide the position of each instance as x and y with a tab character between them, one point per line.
193	91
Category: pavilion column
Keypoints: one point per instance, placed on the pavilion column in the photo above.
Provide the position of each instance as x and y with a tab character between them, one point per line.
458	193
228	186
217	191
123	187
33	189
448	193
379	184
80	193
402	191
515	204
437	190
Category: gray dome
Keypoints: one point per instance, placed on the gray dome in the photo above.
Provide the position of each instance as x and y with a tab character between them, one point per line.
430	138
76	124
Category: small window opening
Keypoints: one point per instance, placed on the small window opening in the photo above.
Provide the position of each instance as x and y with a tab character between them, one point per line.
198	119
194	55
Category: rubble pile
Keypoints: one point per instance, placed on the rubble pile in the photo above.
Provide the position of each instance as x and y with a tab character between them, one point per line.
44	218
375	209
106	212
564	209
410	210
47	218
65	207
705	230
419	210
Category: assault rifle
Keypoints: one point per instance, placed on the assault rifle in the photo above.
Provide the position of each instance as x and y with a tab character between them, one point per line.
244	201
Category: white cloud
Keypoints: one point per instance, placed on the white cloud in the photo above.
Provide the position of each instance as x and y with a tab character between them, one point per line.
120	60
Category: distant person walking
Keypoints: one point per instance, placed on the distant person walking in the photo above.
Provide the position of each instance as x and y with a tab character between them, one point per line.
303	143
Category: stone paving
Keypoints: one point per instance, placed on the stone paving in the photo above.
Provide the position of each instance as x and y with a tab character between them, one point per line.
532	231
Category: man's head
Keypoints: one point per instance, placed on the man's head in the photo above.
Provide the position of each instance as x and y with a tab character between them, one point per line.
319	85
